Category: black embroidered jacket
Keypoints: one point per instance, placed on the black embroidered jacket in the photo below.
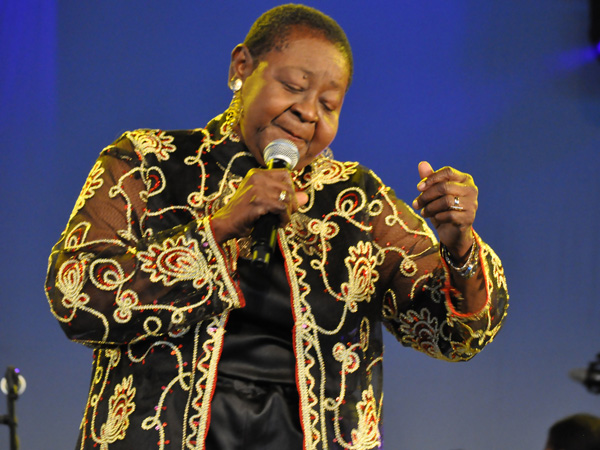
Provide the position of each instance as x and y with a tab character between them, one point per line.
138	276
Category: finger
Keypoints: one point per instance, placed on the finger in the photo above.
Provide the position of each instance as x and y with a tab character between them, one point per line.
269	185
290	204
441	190
270	179
461	218
442	175
260	193
425	170
284	202
447	203
301	198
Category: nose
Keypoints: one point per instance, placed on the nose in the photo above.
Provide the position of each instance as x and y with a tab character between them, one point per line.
306	108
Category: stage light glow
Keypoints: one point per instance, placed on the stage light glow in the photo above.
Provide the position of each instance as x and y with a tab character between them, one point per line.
594	25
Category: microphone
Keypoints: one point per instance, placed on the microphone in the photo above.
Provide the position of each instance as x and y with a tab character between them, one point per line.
278	154
589	377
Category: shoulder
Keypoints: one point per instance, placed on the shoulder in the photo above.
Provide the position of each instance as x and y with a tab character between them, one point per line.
327	171
157	144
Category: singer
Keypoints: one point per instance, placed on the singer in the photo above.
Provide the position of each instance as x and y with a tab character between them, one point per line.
196	347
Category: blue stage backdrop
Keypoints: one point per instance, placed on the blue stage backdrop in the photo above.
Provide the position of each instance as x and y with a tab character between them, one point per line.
507	91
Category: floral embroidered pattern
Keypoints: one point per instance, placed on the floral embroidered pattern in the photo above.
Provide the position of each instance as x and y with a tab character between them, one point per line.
314	234
361	274
366	435
147	285
328	171
70	280
420	331
153	141
125	305
175	261
92	184
497	268
107	274
121	405
349	359
77	235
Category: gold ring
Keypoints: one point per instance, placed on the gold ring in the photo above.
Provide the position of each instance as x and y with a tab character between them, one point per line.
456	206
282	195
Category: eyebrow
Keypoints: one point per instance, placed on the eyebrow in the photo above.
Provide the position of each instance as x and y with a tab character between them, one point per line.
333	83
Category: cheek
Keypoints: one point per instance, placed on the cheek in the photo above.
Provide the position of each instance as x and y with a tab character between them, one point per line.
259	111
325	133
327	129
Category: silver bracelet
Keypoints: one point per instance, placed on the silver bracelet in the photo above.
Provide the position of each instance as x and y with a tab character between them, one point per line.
468	269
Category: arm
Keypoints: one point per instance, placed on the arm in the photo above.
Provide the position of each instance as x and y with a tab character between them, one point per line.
449	199
110	282
425	306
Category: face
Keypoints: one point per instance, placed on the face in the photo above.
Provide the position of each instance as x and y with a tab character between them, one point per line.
295	93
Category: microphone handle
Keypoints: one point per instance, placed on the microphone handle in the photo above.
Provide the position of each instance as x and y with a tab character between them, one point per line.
264	238
264	234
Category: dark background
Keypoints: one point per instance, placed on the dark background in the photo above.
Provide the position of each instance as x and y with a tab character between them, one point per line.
507	91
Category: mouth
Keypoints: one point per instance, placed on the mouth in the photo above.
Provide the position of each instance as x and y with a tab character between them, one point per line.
293	137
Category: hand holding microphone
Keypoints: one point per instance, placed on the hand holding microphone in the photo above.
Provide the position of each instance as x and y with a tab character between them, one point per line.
264	201
279	154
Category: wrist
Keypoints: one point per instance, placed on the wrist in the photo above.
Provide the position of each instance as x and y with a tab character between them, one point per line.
467	265
460	249
218	229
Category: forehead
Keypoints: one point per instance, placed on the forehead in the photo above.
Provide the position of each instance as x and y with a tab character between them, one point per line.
310	51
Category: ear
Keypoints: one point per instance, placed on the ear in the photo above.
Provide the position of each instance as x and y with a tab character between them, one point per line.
242	63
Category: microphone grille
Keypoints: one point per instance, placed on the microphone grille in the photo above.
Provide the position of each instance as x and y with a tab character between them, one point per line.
282	149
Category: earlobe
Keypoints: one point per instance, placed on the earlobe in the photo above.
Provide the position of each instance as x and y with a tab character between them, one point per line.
242	63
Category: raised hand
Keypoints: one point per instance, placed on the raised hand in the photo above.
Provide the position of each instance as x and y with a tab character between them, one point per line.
449	199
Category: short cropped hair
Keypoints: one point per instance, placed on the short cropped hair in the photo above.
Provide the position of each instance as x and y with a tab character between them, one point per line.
271	30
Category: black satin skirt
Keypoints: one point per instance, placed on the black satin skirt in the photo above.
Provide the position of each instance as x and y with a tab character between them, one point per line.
254	416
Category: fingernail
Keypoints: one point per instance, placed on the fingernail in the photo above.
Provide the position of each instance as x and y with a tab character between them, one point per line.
421	184
415	204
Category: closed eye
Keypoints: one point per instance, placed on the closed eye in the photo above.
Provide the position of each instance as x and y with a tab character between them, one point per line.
328	106
293	87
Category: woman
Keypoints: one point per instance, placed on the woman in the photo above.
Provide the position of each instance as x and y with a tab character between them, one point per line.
196	348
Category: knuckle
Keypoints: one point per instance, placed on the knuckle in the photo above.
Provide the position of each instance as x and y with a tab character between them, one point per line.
446	172
253	176
443	188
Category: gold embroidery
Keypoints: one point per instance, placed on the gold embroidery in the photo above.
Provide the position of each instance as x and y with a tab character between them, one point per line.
120	407
175	261
92	184
70	280
126	303
345	342
155	142
421	331
206	369
366	435
361	274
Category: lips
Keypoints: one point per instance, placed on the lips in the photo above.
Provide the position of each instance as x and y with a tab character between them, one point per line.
293	136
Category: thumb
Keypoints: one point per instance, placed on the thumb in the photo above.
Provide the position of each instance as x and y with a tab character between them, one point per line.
425	169
301	198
